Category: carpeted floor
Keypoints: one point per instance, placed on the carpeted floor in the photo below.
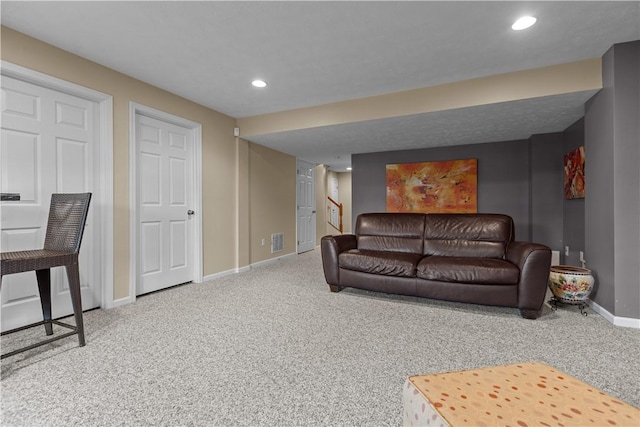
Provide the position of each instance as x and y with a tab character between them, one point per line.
273	347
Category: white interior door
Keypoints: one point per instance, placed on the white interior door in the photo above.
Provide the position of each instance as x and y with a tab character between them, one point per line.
47	146
333	184
165	204
306	206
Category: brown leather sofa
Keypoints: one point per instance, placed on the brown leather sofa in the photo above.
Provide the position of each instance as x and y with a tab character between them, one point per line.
469	258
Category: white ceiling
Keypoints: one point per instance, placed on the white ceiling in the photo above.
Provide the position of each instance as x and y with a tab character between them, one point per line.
313	53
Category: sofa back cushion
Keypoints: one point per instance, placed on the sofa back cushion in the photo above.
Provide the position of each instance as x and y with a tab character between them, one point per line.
395	232
468	235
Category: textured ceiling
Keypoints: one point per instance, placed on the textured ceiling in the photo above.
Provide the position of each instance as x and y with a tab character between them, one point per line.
507	121
315	53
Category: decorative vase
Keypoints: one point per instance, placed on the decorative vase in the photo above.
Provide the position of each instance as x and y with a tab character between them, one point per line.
570	285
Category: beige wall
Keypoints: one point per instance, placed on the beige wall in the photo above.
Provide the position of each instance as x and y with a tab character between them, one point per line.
344	197
219	148
323	174
272	201
243	204
344	189
321	201
328	229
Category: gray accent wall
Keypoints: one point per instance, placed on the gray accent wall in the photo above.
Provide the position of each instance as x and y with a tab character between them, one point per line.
573	210
612	203
524	179
547	184
626	162
503	178
598	215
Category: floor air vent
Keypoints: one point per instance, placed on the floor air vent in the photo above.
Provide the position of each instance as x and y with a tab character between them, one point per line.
277	242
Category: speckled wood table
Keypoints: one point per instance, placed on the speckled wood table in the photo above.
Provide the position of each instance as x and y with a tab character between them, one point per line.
520	395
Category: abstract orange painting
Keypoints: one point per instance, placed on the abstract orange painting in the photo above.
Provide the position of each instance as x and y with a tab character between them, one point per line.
433	187
574	174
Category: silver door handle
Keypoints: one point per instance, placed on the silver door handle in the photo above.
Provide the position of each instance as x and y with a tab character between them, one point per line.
190	212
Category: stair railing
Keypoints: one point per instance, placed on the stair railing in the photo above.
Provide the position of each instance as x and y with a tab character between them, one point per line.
334	213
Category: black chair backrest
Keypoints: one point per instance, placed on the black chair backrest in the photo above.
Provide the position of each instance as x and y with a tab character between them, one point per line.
67	217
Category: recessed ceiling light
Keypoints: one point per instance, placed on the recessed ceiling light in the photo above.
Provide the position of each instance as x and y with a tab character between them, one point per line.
259	83
349	169
523	23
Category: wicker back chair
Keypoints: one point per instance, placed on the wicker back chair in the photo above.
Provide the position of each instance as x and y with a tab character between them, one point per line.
65	227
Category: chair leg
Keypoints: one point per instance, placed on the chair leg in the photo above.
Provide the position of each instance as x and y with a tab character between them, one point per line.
73	274
44	287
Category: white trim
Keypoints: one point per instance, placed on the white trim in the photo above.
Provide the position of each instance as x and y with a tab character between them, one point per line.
297	172
237	204
104	184
225	273
199	251
627	322
106	200
121	301
135	109
243	269
133	210
272	260
247	268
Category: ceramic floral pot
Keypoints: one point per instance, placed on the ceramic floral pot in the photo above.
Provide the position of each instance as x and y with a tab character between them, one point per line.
570	285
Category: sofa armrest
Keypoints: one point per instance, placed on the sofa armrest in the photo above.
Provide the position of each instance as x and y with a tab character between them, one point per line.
331	247
533	261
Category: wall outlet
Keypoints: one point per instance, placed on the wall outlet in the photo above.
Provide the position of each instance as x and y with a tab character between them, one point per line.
262	242
566	250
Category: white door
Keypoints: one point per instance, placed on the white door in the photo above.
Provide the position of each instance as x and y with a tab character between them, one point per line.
47	146
306	206
333	183
165	204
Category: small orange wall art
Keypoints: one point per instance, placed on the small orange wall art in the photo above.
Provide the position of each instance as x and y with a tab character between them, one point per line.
433	187
574	174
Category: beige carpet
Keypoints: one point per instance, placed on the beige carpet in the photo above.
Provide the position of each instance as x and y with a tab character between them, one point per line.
274	347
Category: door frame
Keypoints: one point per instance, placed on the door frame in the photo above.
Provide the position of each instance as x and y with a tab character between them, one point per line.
136	109
102	202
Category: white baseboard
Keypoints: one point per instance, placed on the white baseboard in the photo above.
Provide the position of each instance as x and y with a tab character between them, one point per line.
271	260
247	268
130	299
225	273
121	301
627	322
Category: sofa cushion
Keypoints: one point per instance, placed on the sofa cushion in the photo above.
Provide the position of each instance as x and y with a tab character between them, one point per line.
468	270
380	262
397	232
468	235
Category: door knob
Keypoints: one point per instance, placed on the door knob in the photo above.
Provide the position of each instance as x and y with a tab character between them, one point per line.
190	212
